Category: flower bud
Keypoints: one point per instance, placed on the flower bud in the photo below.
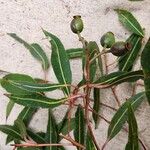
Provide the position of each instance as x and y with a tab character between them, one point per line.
76	24
120	48
107	40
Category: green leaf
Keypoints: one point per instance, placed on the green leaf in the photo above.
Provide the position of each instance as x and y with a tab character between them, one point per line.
119	77
74	53
8	80
127	61
36	136
26	114
92	47
89	143
120	117
51	134
40	55
11	130
9	108
36	101
145	61
21	126
36	87
79	131
9	139
96	106
133	141
63	123
64	130
130	22
35	49
60	61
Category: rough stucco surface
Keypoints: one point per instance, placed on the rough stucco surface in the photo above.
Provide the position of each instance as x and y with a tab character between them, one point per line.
26	17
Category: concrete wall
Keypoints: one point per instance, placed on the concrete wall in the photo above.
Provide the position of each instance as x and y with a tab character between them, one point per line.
26	17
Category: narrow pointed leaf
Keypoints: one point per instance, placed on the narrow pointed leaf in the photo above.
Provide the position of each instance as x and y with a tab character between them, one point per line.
10	130
8	80
60	61
145	61
51	134
79	131
9	108
9	139
35	49
96	106
26	114
35	87
64	130
133	141
119	77
93	47
36	101
120	117
36	137
89	143
21	126
127	61
129	22
40	55
74	53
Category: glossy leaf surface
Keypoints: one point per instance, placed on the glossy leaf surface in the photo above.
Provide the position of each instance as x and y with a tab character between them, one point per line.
145	62
120	117
35	49
60	61
130	22
36	101
133	141
74	53
127	61
119	77
79	131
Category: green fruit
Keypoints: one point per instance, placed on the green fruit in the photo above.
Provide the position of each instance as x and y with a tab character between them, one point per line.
107	40
120	48
76	24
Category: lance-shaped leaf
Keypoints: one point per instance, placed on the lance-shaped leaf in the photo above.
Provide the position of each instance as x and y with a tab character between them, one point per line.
26	114
9	108
89	143
74	53
127	61
11	130
8	80
145	61
35	87
21	126
36	136
96	106
133	141
9	139
129	21
120	117
92	47
28	148
60	61
64	130
79	131
35	49
51	134
36	101
118	78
